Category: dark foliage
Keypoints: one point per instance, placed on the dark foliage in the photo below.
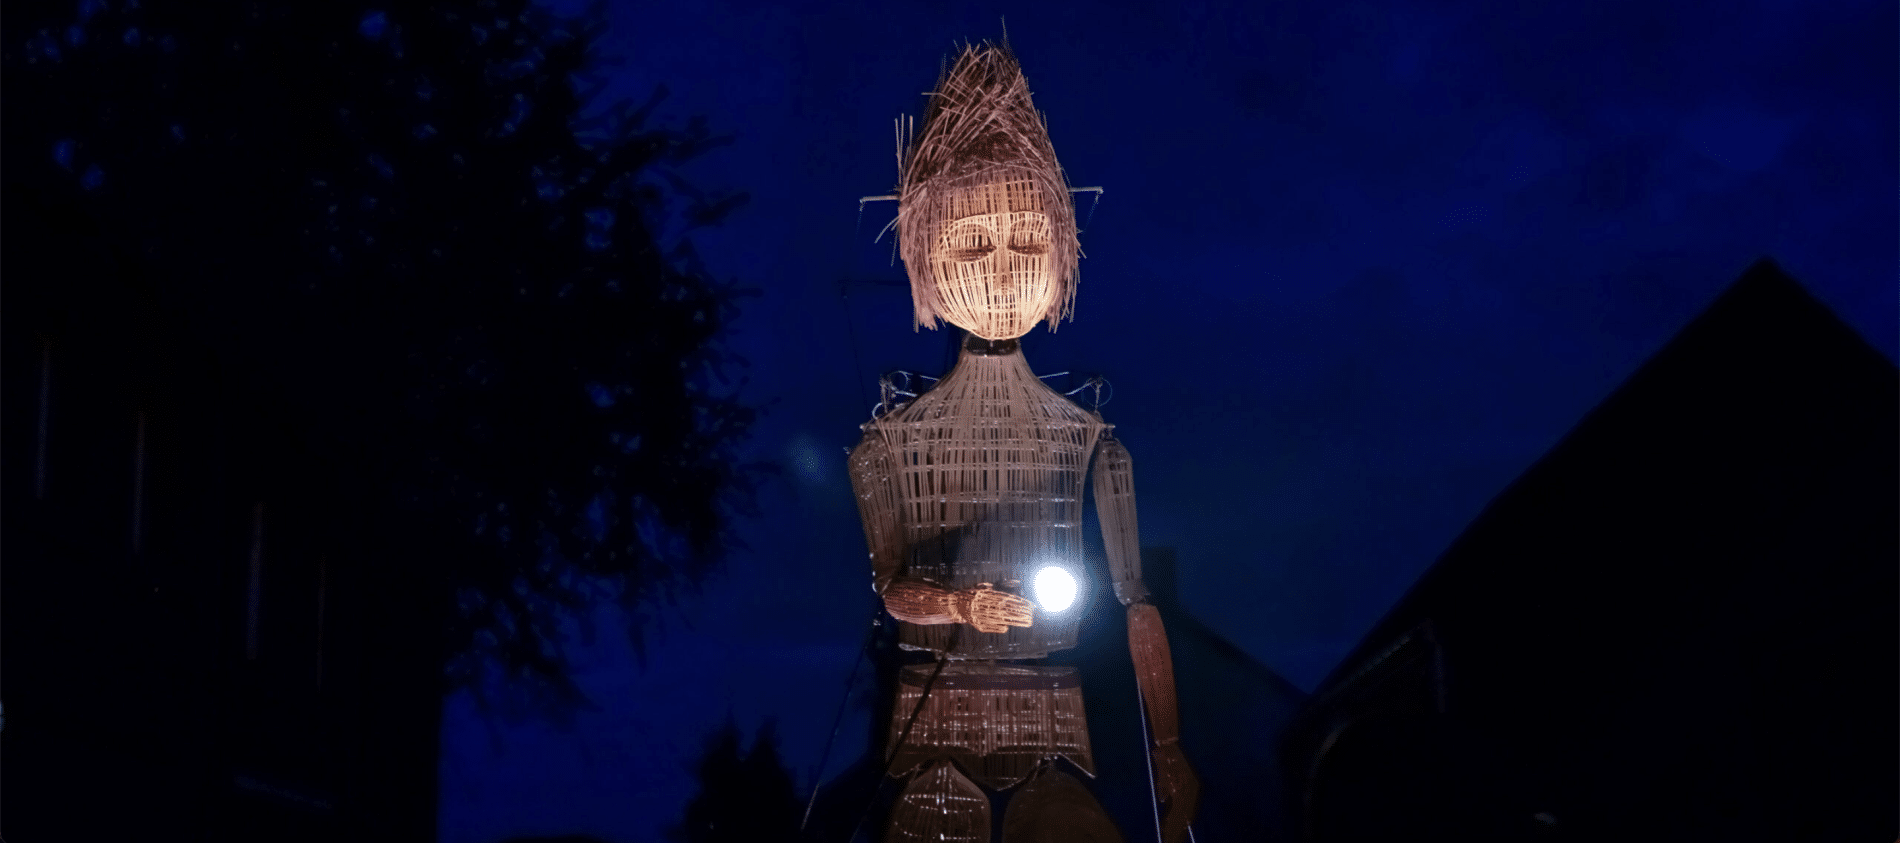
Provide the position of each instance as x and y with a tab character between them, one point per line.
742	795
394	218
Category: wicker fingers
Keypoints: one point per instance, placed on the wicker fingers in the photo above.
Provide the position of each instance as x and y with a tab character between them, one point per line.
992	611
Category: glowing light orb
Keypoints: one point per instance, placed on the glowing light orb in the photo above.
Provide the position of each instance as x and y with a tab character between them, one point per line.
1055	588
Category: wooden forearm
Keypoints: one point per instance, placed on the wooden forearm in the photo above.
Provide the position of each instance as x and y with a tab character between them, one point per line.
1115	504
925	602
1154	671
1177	788
920	601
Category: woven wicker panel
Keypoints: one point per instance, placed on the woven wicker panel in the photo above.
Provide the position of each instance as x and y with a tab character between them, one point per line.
873	479
1115	503
989	472
984	150
1055	808
1176	785
940	805
998	722
1154	671
991	262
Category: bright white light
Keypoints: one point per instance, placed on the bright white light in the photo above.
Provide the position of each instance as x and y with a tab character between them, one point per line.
1055	588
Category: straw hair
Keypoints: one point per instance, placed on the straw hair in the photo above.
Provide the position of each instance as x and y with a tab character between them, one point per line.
985	150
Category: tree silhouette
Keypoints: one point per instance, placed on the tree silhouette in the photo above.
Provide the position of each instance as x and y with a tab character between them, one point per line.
393	218
742	796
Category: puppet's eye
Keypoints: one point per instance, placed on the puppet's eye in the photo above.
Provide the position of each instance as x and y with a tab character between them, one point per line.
1029	235
967	242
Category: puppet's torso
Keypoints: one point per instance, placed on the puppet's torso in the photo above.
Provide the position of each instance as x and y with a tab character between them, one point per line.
989	468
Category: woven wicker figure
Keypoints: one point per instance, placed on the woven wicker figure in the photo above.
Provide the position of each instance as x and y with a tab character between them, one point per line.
971	495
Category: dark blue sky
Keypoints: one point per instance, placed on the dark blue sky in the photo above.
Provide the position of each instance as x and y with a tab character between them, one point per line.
1356	267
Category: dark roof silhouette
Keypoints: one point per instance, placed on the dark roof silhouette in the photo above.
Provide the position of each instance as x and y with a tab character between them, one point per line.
1680	622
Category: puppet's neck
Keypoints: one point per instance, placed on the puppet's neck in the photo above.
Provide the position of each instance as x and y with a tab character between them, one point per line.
975	345
989	359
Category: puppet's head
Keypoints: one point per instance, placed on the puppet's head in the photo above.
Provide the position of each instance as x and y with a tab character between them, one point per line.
984	219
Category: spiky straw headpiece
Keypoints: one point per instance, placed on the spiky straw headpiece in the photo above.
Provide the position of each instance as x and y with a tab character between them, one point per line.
980	127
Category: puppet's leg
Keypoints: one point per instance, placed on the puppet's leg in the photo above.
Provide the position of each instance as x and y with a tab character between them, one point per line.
1055	808
940	804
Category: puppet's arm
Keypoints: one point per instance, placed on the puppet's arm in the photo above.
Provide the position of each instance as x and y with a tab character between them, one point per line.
912	599
1176	787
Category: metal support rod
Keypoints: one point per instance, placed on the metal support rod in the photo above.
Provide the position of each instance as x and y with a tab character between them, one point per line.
46	385
836	721
1154	798
254	592
138	485
323	602
1147	752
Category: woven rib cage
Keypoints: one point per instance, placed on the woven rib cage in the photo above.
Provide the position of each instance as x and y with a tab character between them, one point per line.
940	805
990	467
998	722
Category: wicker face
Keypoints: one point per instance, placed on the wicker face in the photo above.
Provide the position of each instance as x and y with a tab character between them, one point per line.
992	262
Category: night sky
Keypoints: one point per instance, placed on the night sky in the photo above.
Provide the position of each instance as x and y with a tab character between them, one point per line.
1356	266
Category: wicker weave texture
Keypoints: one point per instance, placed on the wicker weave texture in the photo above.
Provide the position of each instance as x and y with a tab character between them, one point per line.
996	721
1055	808
984	608
941	805
1154	670
991	263
873	479
980	194
1115	504
988	477
1177	788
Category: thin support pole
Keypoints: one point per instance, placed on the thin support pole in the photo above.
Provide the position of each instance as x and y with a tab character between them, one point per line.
46	387
138	485
1154	798
1147	752
943	659
837	721
254	592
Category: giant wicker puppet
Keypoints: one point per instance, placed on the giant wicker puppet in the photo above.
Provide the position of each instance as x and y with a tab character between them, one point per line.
972	494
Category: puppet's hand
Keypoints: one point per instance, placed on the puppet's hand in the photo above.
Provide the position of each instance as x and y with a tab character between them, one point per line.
1177	789
990	610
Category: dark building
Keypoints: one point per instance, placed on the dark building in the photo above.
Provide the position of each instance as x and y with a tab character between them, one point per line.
207	635
1233	709
1679	624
